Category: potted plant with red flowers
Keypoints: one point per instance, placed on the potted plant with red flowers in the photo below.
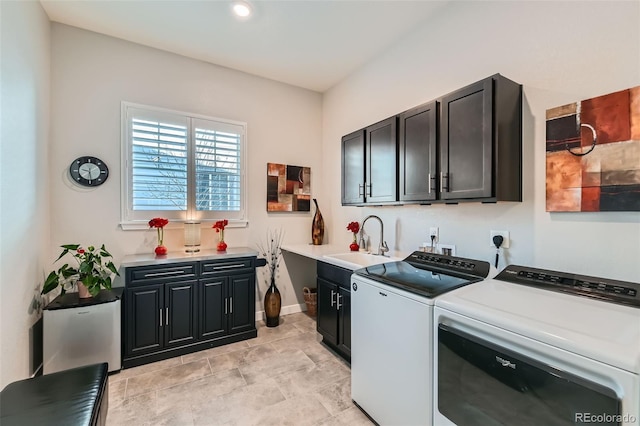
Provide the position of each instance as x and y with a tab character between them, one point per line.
219	227
354	227
159	223
93	272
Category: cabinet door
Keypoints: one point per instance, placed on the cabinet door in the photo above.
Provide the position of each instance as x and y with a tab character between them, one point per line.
242	305
213	307
344	321
353	168
144	319
181	320
466	139
327	316
381	147
417	145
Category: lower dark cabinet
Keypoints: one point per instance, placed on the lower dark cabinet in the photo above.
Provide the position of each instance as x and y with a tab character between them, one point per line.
227	305
176	309
334	308
180	313
161	315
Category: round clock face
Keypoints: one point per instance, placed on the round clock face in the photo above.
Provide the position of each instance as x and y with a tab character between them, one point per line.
88	171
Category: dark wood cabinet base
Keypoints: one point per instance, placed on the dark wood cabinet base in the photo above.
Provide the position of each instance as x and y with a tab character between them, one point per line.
188	349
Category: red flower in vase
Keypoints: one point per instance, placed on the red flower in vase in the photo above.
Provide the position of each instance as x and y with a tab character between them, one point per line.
354	227
220	224
219	227
159	223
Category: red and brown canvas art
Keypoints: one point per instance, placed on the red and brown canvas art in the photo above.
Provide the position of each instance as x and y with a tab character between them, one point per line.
593	154
288	188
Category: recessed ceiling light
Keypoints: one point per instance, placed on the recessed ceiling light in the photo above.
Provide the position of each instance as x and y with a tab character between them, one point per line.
241	9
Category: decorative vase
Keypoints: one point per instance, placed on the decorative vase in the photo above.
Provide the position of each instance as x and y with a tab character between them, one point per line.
83	291
272	304
160	250
222	246
354	245
317	226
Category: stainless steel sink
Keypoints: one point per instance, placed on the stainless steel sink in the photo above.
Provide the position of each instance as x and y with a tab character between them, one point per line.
356	260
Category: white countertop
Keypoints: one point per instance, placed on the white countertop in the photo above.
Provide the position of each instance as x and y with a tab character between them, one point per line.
145	259
323	252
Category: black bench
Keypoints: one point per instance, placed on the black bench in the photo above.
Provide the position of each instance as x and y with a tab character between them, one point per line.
72	397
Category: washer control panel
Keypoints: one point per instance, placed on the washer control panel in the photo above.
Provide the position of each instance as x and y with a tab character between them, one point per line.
621	292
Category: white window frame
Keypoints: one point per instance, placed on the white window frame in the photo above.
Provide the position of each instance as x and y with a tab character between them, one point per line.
135	220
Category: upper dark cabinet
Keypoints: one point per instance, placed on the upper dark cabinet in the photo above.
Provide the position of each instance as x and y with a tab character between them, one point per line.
353	168
481	142
370	164
467	146
418	160
381	143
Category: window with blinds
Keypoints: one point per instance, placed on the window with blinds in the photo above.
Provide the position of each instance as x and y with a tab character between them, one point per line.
181	166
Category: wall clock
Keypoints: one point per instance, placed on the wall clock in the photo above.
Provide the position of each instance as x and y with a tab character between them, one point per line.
88	171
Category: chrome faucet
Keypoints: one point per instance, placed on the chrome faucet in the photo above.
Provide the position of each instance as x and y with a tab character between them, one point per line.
382	246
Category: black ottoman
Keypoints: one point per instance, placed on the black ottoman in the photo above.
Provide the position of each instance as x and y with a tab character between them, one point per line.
72	397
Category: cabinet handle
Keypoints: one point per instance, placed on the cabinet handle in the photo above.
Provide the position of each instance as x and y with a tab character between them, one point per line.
231	305
161	274
444	176
332	294
218	268
360	190
429	182
226	310
367	185
160	317
338	301
166	312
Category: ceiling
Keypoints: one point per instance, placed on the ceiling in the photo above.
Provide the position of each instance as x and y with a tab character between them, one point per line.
310	44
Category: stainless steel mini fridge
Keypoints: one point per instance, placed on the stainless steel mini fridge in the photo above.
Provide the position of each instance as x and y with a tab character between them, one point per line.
79	332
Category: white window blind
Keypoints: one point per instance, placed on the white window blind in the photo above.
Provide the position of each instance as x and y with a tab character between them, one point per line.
181	166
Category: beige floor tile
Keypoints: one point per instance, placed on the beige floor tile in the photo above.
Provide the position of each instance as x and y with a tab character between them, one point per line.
199	391
167	377
309	379
232	347
336	396
243	402
241	357
147	368
133	411
349	417
271	334
285	376
116	392
296	342
299	411
274	365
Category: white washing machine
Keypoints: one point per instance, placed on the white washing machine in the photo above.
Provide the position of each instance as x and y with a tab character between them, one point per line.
536	347
391	337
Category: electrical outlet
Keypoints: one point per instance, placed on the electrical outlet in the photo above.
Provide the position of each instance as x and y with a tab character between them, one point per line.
447	249
505	236
433	231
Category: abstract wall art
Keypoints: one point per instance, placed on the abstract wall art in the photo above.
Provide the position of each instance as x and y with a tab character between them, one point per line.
593	154
288	188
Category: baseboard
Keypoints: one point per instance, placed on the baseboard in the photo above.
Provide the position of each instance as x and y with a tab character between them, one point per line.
285	310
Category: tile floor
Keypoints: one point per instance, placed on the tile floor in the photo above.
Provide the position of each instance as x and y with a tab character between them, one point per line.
282	377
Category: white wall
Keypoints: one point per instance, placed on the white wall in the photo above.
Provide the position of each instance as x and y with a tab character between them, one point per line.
92	74
24	200
561	52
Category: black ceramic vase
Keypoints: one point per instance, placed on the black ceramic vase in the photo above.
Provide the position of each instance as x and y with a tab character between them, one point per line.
272	304
317	226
